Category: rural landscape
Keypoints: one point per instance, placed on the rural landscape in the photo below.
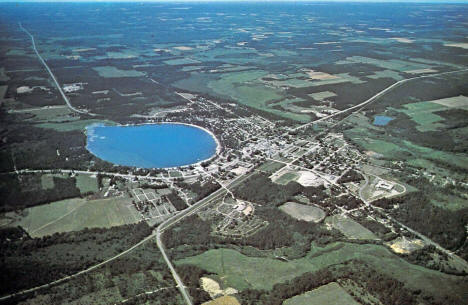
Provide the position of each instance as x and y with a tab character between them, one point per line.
233	153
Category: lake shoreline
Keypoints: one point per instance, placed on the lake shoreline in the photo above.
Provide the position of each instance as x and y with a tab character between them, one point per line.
198	163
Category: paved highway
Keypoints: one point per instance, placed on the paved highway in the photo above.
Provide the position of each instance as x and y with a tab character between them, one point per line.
156	233
65	98
373	98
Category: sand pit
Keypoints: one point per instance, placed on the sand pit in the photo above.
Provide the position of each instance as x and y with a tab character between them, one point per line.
317	75
309	179
213	288
225	300
405	245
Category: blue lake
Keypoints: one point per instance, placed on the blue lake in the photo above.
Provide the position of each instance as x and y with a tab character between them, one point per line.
381	120
148	146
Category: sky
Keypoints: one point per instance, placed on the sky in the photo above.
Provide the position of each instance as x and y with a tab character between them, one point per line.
175	1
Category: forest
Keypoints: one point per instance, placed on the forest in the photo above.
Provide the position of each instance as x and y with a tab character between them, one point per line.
18	193
415	210
31	262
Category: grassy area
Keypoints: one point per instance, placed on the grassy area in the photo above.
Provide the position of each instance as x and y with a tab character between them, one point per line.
111	72
181	61
330	294
350	228
270	166
286	178
86	183
423	114
242	272
76	214
75	125
303	212
47	181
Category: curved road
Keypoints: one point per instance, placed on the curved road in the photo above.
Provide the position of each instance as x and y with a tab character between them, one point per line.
65	98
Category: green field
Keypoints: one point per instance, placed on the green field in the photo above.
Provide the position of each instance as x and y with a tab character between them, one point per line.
111	72
350	228
47	181
423	114
286	178
303	212
242	272
86	183
181	61
77	214
330	294
75	125
270	166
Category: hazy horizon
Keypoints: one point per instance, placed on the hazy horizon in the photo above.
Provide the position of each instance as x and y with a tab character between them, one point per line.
205	1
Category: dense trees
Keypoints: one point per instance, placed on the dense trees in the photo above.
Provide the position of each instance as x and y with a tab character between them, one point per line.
386	289
176	201
32	262
18	193
260	189
190	276
351	176
415	210
201	190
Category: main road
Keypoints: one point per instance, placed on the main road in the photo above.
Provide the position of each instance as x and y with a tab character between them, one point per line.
185	213
156	233
374	97
59	88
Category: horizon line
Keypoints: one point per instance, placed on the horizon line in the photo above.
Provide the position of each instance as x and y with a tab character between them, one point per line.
241	1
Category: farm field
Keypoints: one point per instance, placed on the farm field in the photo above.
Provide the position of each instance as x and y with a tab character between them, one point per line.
330	294
76	214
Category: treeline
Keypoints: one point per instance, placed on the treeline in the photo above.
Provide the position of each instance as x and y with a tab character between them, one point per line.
432	258
36	148
282	231
350	176
445	227
18	192
286	231
260	189
31	262
190	276
388	290
201	190
176	201
192	231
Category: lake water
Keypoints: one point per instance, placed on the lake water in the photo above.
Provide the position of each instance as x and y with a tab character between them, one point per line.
148	146
381	120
